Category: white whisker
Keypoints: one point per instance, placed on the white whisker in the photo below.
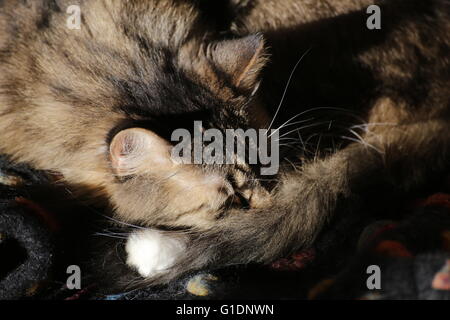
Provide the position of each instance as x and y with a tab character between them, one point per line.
287	87
123	223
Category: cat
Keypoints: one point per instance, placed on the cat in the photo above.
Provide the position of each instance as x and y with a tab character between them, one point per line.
61	113
394	86
97	106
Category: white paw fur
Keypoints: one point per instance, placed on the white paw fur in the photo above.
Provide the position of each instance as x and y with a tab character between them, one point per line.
152	252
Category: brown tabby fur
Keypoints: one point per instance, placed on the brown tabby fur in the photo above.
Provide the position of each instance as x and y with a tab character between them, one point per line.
64	93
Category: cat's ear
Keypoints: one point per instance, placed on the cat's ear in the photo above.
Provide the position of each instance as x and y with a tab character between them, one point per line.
135	150
241	60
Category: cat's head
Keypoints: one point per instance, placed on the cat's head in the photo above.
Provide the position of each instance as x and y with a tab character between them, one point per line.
212	87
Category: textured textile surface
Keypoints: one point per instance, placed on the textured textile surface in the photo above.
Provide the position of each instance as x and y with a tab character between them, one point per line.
412	253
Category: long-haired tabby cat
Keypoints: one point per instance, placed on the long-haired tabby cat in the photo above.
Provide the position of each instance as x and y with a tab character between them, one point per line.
97	106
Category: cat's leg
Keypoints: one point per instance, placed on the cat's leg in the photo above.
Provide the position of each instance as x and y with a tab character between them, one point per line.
399	157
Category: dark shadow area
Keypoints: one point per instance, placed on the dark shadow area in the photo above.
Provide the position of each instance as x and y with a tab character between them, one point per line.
12	255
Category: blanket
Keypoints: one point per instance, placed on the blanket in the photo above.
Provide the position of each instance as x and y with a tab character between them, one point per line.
403	258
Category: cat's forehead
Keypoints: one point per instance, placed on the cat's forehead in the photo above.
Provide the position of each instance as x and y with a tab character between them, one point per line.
170	94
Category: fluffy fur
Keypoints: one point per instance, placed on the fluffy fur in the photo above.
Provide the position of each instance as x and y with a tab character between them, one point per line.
150	252
67	97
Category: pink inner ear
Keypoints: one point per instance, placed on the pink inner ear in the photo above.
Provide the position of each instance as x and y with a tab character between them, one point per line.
138	150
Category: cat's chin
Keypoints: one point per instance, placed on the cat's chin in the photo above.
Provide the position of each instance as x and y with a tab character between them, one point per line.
151	252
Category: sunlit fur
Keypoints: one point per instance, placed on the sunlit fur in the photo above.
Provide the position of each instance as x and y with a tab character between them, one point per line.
363	110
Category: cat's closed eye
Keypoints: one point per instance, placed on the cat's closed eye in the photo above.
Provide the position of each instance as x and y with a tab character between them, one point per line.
161	190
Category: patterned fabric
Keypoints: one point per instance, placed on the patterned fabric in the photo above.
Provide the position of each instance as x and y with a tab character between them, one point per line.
413	256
